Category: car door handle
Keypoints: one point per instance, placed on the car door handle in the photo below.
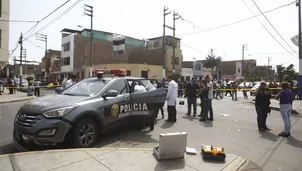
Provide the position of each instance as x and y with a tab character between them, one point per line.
160	95
128	98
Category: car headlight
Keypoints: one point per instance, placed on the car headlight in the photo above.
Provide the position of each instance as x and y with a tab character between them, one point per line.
58	112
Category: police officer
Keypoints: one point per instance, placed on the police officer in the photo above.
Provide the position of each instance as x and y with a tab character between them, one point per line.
191	93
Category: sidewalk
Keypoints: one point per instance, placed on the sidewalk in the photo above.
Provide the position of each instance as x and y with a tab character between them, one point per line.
297	106
113	159
19	96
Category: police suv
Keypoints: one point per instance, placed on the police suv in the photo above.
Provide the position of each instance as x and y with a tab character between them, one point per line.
83	111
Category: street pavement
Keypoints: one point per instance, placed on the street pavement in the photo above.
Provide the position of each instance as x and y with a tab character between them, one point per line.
234	128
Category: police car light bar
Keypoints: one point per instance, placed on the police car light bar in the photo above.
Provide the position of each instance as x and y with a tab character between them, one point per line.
115	72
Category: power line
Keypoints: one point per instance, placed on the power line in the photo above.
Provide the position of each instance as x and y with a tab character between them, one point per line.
193	49
236	22
266	28
273	26
34	27
54	20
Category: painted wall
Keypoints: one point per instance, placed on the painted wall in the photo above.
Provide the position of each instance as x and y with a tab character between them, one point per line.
155	71
4	27
70	53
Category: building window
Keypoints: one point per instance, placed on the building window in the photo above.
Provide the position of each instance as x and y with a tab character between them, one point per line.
176	61
238	70
66	47
156	44
65	61
128	73
197	67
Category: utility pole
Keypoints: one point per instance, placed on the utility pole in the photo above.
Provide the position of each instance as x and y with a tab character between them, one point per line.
24	54
43	38
21	51
89	12
166	12
298	4
176	16
268	67
244	47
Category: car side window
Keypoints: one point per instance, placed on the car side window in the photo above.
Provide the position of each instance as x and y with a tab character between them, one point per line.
120	86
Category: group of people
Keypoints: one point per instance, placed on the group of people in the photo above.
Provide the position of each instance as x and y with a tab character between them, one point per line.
192	91
262	103
205	92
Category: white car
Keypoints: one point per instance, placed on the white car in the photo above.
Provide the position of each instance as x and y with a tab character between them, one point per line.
253	90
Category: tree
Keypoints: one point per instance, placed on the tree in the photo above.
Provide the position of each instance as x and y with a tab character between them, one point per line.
289	70
176	75
212	62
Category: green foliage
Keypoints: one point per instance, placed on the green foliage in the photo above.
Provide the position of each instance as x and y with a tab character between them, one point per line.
212	61
176	75
289	70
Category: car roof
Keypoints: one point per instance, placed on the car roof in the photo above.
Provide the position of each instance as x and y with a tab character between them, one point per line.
112	78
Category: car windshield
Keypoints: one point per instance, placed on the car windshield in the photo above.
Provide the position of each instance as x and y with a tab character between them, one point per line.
85	88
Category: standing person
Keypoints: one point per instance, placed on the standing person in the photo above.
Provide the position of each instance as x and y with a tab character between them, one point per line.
244	90
159	85
10	84
71	81
203	95
234	90
286	97
262	103
191	93
208	101
37	88
171	99
64	82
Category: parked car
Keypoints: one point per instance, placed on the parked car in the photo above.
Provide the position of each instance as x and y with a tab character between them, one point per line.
254	88
80	113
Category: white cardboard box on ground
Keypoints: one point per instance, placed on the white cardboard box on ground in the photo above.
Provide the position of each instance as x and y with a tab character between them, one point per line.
171	146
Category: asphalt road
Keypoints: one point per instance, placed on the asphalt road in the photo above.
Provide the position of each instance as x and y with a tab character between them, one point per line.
234	128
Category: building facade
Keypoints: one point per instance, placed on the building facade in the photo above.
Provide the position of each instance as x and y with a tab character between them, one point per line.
45	62
107	48
232	70
192	69
135	70
4	31
157	43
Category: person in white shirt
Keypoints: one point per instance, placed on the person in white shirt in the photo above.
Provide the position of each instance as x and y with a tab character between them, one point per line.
171	99
71	81
139	88
208	101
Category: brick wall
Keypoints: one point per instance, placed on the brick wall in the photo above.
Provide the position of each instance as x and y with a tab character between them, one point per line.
150	57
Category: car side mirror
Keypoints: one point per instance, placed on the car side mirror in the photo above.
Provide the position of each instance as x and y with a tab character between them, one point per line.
110	93
58	90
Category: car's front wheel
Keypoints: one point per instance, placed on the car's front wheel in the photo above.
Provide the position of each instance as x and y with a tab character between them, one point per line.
85	134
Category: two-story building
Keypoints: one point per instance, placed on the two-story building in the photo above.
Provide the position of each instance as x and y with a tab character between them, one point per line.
108	50
156	44
192	69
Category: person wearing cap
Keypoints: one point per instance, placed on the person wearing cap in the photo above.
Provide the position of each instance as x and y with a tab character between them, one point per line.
262	103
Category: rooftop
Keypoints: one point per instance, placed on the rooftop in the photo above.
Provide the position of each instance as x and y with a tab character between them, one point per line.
154	38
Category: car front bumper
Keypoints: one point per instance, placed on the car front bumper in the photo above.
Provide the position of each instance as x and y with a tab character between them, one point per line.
45	132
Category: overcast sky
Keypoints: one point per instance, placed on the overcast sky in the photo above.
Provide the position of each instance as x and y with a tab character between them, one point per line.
143	19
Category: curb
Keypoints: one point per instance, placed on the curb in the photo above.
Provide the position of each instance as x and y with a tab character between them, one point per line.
18	100
278	108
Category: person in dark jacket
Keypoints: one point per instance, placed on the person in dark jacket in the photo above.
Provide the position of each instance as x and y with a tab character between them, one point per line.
160	85
191	94
262	103
202	95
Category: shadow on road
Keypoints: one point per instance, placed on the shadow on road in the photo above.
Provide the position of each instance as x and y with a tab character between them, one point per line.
269	136
294	142
118	138
167	125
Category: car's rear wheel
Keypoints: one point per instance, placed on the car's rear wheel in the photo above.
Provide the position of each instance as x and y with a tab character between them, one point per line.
85	133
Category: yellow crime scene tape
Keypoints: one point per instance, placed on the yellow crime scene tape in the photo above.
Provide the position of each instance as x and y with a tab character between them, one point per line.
245	89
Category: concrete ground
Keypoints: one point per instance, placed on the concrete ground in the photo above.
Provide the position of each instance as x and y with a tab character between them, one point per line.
234	128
